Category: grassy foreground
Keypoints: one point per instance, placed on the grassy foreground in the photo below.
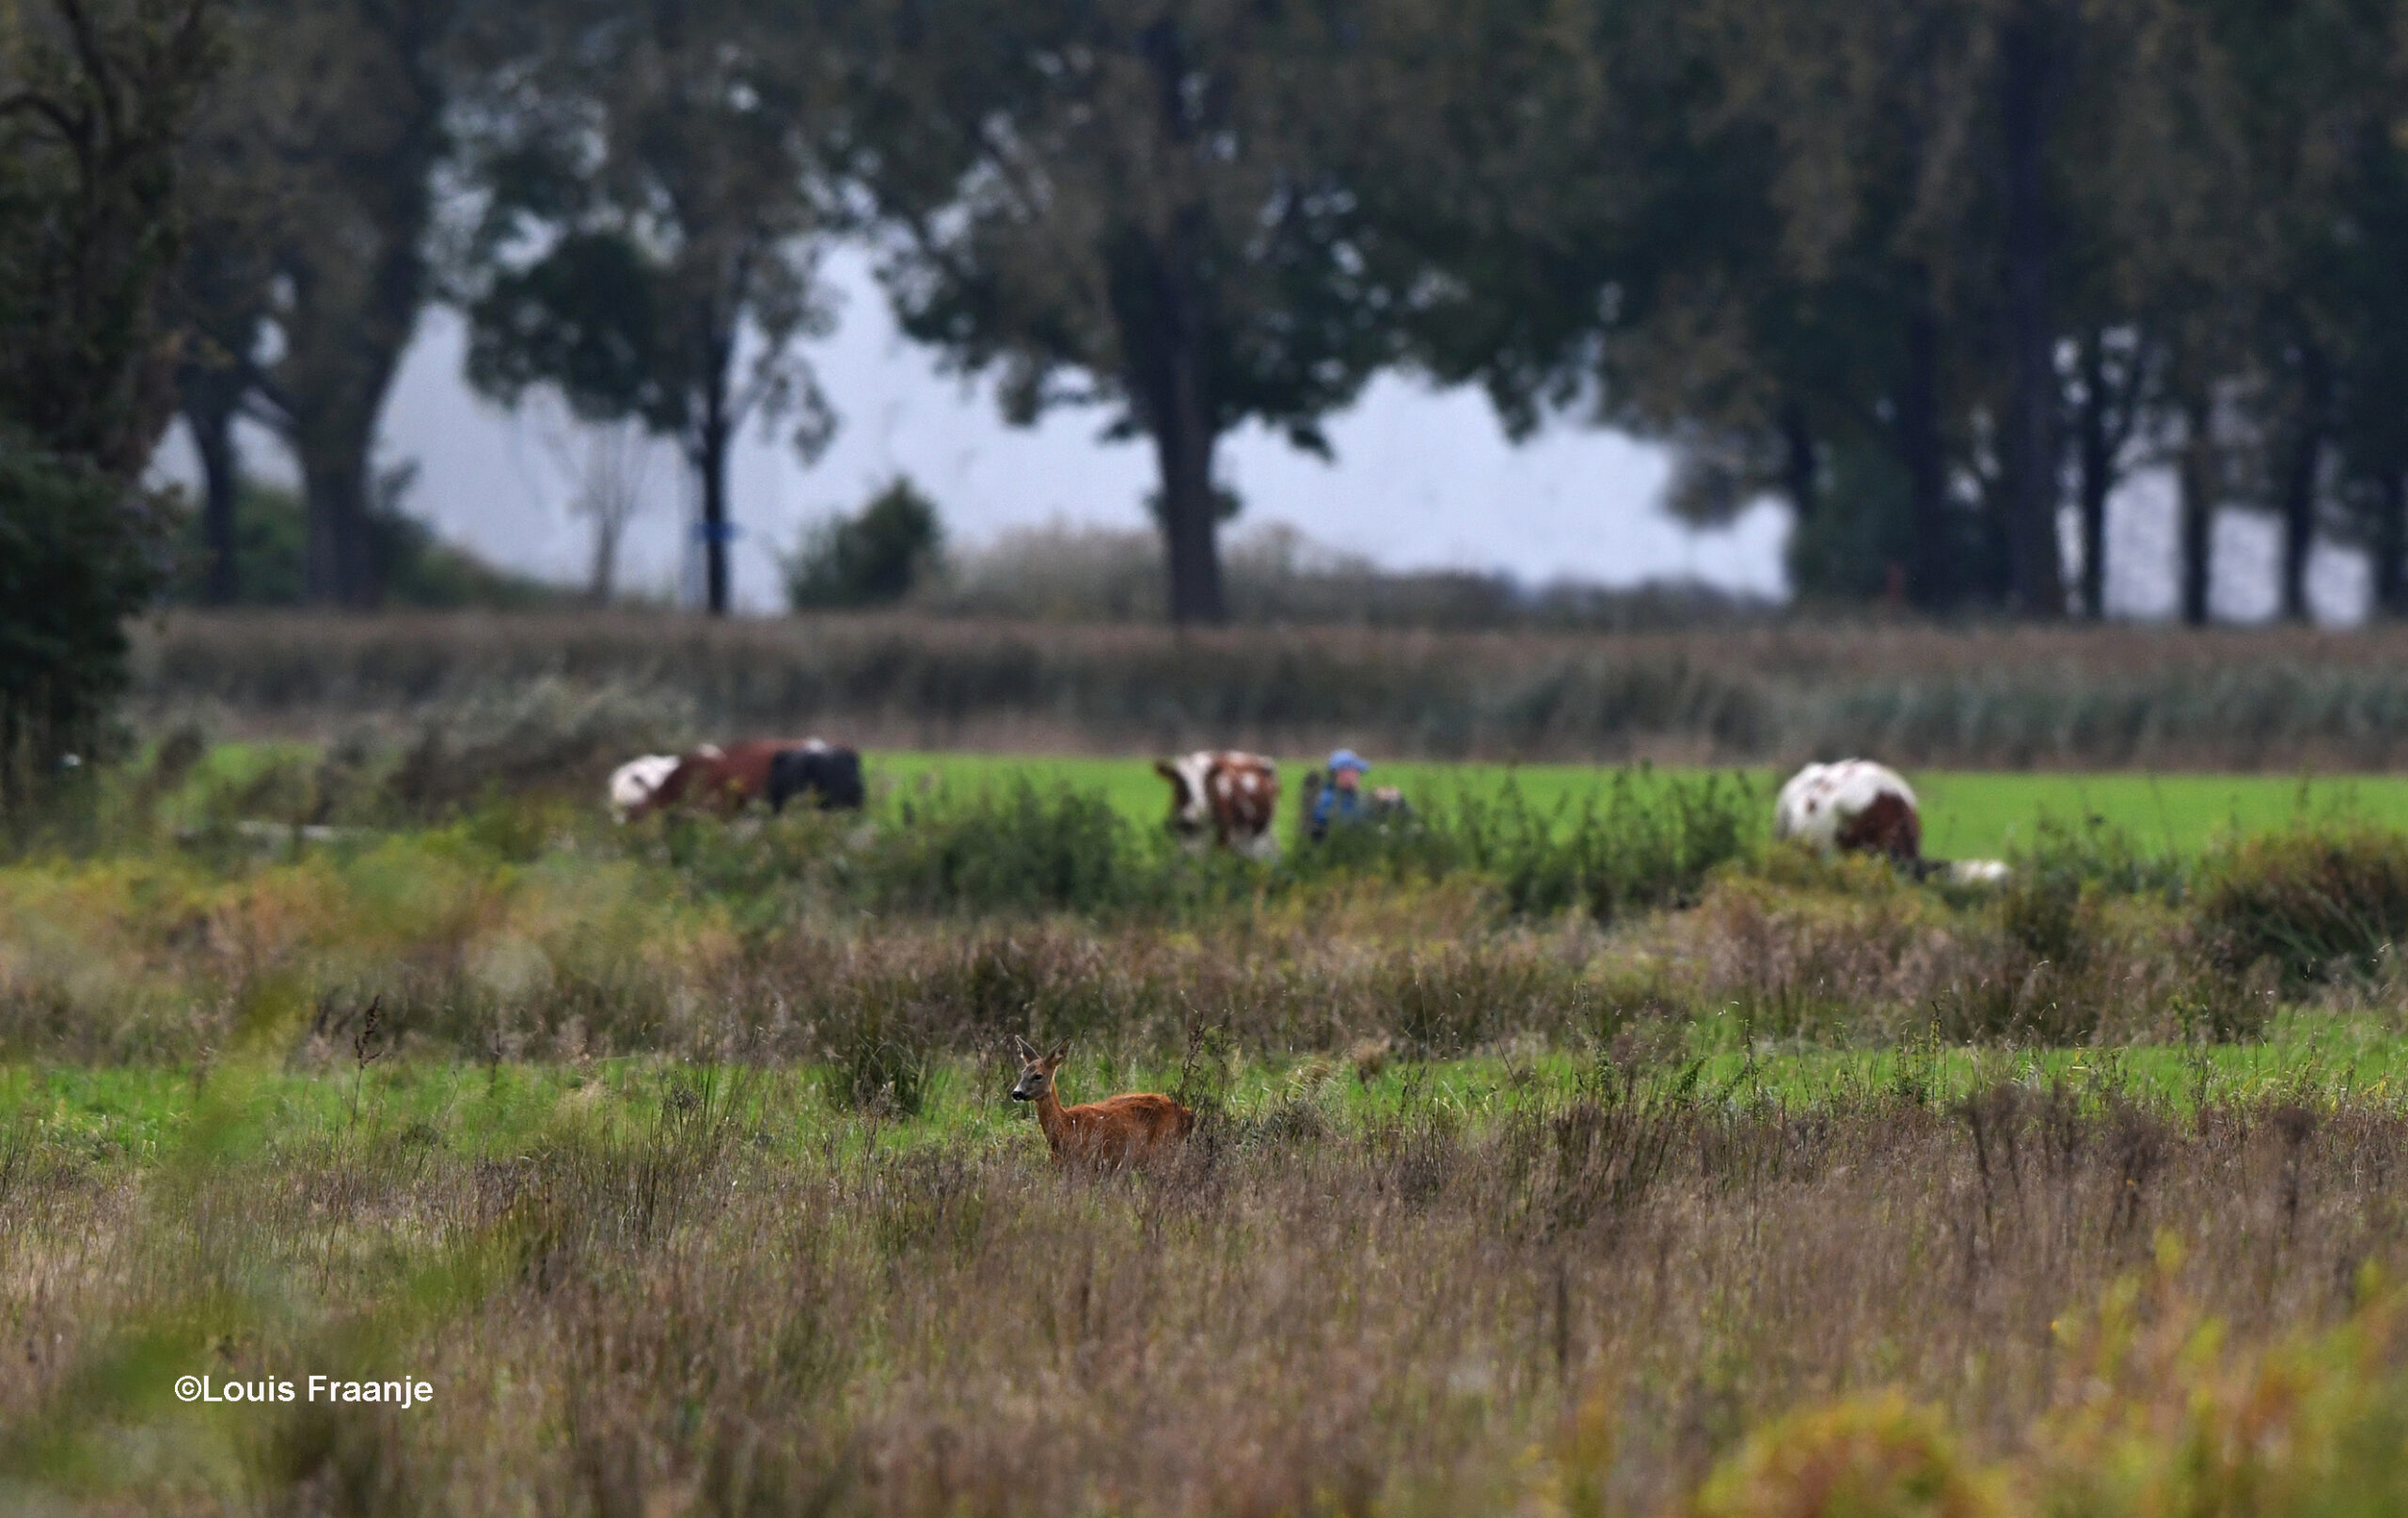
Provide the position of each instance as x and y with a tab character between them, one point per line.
1920	1283
1594	1159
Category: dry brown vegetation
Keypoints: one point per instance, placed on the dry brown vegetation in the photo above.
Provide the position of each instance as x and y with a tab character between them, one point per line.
1982	697
712	1303
568	962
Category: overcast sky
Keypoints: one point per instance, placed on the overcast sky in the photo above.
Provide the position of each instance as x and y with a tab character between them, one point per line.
1422	479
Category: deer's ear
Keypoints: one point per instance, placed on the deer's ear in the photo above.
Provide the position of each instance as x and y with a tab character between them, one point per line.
1061	1052
1027	1052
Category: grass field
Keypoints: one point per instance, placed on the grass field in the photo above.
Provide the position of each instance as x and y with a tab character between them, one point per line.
1966	814
1638	1169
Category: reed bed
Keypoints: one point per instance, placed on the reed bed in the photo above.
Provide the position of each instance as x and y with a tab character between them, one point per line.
1975	697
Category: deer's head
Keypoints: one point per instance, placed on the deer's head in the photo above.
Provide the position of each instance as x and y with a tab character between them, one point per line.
1036	1070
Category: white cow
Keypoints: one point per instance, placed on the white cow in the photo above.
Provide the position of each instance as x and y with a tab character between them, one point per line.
1857	806
633	783
1854	806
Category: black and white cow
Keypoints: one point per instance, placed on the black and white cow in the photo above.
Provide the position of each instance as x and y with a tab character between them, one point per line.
830	775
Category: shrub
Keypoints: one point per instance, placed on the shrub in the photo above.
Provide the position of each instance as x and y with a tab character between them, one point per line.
878	1063
2098	853
871	558
545	738
1018	849
2314	900
74	563
2161	1410
1868	1458
1626	847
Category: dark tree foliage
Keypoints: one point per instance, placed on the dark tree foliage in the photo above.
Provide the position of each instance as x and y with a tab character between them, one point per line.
582	321
1144	206
77	558
675	159
1941	274
93	97
870	559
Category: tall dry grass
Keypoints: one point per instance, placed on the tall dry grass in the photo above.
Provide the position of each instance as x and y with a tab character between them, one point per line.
677	1301
569	957
1277	576
2003	697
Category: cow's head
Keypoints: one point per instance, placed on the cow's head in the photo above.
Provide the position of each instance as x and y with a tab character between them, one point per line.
1191	806
635	785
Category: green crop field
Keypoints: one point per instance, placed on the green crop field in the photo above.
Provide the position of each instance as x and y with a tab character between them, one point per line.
1966	814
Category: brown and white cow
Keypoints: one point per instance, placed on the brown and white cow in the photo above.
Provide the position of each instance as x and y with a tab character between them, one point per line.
1229	797
1858	807
1855	807
633	783
722	779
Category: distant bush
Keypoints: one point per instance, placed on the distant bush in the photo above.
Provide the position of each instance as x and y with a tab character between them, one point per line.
415	567
2316	901
871	558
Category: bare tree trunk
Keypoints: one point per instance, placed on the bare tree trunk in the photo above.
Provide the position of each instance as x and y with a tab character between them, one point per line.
2097	464
210	413
358	284
1801	465
707	449
1191	516
2388	546
710	467
2301	474
602	585
340	566
1933	584
1180	413
2035	578
2195	479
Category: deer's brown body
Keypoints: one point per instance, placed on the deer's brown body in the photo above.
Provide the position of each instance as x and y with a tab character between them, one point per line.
1118	1131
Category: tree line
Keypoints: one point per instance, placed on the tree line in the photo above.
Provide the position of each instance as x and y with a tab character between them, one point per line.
1940	273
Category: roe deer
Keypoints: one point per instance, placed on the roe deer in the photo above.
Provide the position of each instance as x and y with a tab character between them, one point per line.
1117	1130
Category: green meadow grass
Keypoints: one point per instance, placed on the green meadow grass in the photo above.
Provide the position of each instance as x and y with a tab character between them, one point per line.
143	1114
1966	814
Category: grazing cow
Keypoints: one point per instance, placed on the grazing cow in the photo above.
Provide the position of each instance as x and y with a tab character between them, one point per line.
1131	1129
1854	806
633	783
1232	796
725	778
1858	807
832	776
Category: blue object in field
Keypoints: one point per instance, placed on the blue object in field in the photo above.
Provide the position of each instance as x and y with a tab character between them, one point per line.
1333	804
